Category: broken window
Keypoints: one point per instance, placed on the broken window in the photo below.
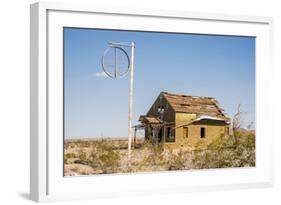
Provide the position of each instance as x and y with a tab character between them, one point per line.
159	109
227	130
185	132
170	134
202	132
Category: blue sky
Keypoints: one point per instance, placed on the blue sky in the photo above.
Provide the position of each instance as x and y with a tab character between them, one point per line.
203	65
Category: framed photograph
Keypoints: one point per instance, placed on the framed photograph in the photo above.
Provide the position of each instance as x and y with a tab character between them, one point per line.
129	102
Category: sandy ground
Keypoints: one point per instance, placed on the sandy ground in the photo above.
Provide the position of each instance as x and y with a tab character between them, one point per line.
143	159
107	156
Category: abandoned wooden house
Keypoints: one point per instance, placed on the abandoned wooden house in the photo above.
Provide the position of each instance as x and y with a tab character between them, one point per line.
180	120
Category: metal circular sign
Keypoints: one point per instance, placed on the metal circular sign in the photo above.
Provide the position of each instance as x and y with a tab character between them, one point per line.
115	62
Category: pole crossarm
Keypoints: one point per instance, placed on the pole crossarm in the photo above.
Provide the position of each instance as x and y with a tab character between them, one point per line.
123	44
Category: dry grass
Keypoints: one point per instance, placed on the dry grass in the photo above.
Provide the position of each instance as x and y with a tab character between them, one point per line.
104	156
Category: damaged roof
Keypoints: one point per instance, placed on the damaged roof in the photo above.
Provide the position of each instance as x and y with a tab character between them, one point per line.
195	104
149	119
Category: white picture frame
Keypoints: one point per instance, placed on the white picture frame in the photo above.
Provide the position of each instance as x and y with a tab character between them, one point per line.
46	142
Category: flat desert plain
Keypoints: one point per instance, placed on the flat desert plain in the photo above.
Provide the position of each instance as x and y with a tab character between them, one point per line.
109	155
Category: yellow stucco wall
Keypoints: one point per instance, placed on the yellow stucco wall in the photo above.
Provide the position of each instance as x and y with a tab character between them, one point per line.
184	118
211	131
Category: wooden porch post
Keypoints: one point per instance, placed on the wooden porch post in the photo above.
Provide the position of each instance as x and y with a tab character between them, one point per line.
164	134
135	133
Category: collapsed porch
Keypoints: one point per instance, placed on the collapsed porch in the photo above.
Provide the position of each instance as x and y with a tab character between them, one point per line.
156	130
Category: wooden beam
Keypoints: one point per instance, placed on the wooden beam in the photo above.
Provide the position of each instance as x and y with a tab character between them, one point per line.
135	133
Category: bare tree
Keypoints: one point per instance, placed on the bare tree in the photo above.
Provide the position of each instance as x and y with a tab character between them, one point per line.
237	123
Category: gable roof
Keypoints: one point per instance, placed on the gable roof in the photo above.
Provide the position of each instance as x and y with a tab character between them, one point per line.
194	104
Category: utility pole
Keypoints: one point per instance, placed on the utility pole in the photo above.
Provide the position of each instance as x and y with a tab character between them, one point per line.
117	74
130	114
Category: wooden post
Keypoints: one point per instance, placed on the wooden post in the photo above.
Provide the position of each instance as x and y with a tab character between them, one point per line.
164	134
135	137
130	114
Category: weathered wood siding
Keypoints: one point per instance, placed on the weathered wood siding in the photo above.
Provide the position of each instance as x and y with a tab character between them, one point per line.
169	113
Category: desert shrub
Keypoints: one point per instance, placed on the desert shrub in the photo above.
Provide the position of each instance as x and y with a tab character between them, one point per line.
178	160
81	157
156	154
69	144
245	149
166	158
225	152
99	155
66	145
221	142
109	161
203	159
104	157
247	139
83	143
68	156
245	156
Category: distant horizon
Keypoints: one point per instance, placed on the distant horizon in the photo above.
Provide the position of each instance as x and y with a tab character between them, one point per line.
222	67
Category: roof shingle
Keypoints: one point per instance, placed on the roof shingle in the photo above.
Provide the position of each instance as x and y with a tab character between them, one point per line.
194	104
